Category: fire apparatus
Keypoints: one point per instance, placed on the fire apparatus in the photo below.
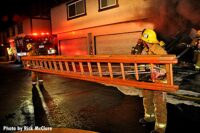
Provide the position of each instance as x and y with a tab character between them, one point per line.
45	44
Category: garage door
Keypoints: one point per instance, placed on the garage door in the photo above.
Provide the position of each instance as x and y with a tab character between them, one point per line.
74	46
116	43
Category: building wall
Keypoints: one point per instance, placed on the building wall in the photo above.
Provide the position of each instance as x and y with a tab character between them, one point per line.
123	23
27	26
127	11
41	26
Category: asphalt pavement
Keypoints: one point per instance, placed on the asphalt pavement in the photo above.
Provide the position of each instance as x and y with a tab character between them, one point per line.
69	103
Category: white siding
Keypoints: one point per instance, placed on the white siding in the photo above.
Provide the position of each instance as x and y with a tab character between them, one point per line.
41	25
128	10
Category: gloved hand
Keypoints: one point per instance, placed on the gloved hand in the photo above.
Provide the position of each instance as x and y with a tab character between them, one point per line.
157	73
28	66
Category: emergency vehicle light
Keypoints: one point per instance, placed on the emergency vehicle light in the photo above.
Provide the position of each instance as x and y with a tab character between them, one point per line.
42	33
51	51
35	34
11	40
22	54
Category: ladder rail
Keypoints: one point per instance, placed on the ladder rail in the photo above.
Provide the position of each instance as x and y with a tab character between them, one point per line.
108	69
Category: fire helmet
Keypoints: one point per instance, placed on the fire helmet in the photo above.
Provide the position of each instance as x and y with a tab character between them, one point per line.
29	46
149	36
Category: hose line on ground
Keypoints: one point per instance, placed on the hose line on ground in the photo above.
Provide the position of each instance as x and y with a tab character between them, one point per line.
186	97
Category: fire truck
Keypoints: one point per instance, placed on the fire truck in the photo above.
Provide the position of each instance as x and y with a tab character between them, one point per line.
45	44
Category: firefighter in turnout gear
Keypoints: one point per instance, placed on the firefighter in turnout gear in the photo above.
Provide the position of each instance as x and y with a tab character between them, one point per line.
34	75
154	102
196	44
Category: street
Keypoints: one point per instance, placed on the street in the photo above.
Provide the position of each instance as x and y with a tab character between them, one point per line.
70	103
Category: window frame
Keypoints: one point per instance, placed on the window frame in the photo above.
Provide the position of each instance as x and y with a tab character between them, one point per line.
108	7
76	16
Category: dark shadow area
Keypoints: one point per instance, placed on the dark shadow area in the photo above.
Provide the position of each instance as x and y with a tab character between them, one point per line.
39	112
120	118
183	119
46	96
55	112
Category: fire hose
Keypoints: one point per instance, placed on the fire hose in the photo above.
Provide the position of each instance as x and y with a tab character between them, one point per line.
182	53
185	97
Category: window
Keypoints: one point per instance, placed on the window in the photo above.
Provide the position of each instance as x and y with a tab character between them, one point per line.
76	9
107	4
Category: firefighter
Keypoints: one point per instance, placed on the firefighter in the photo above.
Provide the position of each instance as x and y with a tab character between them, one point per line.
10	53
34	75
154	102
196	44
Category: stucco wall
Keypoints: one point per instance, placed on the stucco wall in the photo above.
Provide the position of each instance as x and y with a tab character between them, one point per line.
26	26
128	10
41	25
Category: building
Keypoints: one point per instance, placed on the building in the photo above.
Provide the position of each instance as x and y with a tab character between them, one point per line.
28	26
3	52
99	26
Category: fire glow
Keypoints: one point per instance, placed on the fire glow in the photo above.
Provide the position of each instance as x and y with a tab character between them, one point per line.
42	33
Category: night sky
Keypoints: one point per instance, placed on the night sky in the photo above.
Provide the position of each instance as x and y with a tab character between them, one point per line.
11	11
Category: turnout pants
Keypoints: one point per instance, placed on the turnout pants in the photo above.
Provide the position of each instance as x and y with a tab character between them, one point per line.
36	76
154	103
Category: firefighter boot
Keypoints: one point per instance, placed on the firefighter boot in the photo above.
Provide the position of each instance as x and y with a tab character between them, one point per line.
40	82
154	131
145	122
40	79
34	84
41	85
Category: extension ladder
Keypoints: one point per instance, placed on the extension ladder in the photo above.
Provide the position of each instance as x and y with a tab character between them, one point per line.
124	70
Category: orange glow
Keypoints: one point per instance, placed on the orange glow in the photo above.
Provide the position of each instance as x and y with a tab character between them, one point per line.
11	40
35	34
42	33
79	52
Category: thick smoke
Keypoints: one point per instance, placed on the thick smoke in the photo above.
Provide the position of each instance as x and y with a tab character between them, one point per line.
190	9
176	16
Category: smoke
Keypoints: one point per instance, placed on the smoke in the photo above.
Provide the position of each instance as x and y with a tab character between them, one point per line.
176	16
190	9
